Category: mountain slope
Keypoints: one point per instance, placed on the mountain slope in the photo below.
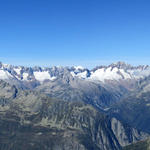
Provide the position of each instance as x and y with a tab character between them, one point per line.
135	109
30	120
142	145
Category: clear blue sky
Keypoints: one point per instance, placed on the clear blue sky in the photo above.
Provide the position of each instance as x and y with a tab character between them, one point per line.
73	32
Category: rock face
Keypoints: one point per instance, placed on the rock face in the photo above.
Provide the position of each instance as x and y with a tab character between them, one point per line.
135	109
33	121
125	135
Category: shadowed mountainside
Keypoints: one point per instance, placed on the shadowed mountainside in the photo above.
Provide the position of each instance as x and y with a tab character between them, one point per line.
29	120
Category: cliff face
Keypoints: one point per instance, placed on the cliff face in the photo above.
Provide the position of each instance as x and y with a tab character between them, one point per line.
125	134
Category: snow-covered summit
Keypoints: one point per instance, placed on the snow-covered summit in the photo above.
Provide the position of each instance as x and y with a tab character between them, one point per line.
78	67
115	71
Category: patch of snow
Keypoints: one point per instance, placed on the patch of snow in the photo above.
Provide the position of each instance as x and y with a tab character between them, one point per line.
78	67
5	66
5	74
53	78
108	74
25	76
73	74
17	70
139	73
41	76
125	75
82	75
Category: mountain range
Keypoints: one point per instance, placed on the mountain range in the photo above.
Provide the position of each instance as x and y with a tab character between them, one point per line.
115	71
108	83
63	108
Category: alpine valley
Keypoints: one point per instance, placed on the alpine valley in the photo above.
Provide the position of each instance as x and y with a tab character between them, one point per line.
74	108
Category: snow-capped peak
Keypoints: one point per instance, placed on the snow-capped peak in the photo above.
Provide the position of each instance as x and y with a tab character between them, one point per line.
78	68
41	76
116	71
121	65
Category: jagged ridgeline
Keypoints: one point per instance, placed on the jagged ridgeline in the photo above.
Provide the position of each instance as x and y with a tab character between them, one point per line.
33	121
101	86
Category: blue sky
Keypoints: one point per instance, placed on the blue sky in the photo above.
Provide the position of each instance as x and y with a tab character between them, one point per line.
74	32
